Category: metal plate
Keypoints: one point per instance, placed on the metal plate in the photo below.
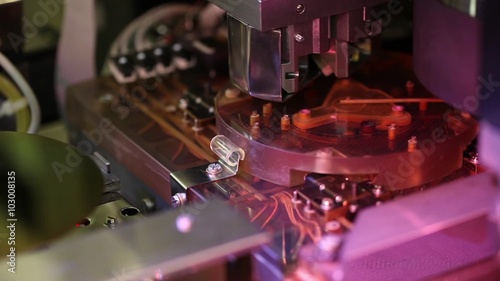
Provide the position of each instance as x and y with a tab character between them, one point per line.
282	157
152	248
50	187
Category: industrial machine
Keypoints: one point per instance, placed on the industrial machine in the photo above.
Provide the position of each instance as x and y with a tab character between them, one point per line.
279	140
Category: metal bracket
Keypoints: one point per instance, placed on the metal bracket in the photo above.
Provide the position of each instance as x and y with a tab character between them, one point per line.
227	166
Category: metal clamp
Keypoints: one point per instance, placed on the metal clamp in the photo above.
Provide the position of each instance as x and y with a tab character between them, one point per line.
229	155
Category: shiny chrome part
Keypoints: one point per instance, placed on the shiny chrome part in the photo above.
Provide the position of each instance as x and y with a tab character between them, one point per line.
229	155
214	168
469	7
272	14
253	64
327	204
145	249
111	222
178	200
296	198
265	50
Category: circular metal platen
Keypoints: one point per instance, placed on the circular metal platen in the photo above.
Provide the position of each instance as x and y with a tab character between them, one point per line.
48	187
332	134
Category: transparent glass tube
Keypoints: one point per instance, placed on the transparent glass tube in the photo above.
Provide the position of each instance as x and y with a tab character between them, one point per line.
227	150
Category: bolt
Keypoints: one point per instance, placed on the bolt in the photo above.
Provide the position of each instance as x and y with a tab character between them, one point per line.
327	204
197	127
474	158
353	208
343	185
377	190
255	131
178	200
308	209
412	144
327	247
299	38
111	222
296	199
214	169
148	205
300	8
391	132
285	123
254	118
122	60
183	104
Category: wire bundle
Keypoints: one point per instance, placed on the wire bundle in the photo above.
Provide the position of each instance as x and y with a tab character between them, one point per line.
15	103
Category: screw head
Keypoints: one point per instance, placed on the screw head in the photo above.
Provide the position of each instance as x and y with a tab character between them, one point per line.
111	222
327	247
214	169
327	204
300	8
332	226
148	205
299	38
178	200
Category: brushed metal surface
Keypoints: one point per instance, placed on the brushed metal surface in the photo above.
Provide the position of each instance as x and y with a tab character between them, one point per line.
149	248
